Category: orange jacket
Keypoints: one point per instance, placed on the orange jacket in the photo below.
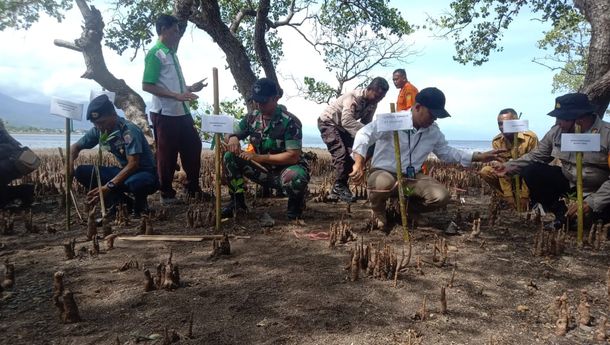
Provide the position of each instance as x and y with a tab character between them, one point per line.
406	97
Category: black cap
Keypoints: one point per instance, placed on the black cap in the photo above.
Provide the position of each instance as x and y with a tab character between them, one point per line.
99	107
263	90
433	99
572	106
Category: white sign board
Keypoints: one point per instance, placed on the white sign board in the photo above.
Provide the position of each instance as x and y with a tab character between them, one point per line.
394	121
515	126
586	142
96	93
66	109
217	124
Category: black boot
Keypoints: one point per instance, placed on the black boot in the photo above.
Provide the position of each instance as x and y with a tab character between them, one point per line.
140	205
237	202
296	204
341	191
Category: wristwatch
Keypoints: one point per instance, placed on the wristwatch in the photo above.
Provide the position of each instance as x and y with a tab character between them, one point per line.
111	185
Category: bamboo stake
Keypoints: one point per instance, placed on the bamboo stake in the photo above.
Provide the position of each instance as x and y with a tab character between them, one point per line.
579	197
515	154
61	155
68	174
401	192
217	139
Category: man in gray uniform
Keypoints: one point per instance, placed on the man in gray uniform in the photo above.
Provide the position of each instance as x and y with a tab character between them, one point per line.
549	183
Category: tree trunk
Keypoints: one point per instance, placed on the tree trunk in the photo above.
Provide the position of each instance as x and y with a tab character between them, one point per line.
89	44
597	79
260	45
207	17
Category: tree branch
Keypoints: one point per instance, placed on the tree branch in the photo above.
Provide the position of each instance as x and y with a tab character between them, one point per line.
89	44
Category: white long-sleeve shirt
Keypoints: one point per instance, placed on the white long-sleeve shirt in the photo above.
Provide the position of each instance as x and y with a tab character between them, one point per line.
423	142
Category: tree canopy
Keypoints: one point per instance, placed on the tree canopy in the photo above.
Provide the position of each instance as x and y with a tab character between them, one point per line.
580	38
352	36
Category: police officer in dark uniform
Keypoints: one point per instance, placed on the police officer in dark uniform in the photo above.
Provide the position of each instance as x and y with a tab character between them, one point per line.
137	174
549	183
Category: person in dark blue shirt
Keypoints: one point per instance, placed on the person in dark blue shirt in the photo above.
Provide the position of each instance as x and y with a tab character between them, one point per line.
137	173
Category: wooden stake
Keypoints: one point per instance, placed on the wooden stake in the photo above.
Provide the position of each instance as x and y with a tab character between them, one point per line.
217	158
401	192
515	154
68	174
443	301
579	192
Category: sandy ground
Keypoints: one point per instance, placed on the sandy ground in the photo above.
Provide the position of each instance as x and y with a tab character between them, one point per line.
286	285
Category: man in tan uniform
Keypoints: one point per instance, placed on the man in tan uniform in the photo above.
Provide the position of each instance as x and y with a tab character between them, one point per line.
526	142
549	183
338	125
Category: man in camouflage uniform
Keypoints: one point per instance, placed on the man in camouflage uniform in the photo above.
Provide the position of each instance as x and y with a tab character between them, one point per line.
276	162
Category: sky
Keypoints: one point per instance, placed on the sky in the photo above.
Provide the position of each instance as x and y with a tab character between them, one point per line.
33	69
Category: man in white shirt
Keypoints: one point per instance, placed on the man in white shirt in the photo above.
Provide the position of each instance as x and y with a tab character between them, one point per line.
415	146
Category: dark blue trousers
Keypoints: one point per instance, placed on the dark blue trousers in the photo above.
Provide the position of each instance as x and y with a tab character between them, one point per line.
140	184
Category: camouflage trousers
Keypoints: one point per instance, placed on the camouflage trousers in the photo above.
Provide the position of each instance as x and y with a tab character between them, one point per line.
292	179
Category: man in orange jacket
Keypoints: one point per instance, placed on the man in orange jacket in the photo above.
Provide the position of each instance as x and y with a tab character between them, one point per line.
406	97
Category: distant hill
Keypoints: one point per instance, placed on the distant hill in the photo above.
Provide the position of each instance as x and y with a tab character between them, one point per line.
19	114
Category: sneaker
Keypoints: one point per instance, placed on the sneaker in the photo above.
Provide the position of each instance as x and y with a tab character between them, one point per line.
341	191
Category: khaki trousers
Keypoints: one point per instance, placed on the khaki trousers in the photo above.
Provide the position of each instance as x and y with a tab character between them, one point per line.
428	194
502	185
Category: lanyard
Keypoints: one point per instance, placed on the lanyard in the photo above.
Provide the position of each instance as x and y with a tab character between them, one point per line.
414	147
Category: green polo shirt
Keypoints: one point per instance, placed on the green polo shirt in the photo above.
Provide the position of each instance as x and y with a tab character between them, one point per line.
161	68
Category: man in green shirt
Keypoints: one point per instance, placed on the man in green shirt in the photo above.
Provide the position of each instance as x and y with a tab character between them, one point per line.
173	125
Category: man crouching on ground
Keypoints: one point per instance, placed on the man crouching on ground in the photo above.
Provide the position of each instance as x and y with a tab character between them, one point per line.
276	161
415	146
137	174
